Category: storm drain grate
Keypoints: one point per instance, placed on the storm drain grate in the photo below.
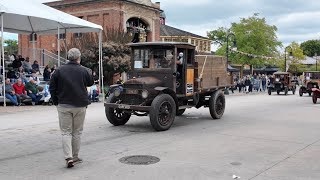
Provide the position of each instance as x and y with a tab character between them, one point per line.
139	160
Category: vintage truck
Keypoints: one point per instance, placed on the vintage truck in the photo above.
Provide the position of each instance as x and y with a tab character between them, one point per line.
311	80
282	83
166	78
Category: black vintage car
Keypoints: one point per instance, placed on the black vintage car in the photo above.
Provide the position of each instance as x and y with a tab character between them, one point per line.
282	83
311	80
164	82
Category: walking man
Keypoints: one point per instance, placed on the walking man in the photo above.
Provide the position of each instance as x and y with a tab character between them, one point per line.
68	88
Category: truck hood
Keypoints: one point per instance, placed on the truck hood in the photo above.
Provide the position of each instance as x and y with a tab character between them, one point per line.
144	82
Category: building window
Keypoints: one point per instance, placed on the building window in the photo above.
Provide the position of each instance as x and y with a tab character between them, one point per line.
31	37
77	35
62	36
192	42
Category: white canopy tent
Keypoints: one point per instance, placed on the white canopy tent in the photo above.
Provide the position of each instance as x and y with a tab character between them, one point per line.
30	17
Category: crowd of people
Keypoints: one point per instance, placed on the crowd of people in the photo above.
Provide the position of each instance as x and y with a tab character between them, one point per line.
23	84
256	82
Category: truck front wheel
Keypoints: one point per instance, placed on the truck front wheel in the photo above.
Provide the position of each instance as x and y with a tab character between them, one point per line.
117	117
217	104
163	112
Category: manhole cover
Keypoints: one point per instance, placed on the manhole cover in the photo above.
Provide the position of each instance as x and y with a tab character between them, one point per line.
236	163
139	160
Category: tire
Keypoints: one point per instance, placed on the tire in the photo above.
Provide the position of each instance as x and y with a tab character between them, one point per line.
310	93
286	91
278	92
116	117
314	98
217	104
269	91
300	92
180	112
163	112
293	90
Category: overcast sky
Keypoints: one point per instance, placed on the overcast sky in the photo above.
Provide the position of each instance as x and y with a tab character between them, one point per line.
297	20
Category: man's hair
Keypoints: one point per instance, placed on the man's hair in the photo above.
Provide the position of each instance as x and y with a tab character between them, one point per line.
19	79
74	54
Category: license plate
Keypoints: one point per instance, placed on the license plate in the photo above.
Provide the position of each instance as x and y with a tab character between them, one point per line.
124	106
132	91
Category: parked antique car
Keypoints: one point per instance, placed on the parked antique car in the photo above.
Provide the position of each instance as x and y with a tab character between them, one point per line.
311	80
166	78
315	95
282	83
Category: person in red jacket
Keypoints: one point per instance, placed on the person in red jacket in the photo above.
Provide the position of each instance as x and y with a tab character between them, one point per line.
21	93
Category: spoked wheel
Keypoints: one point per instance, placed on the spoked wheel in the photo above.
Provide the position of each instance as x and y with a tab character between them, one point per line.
315	98
278	92
117	117
269	91
217	104
180	112
163	112
300	92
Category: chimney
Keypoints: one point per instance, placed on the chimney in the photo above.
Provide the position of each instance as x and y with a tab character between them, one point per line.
157	4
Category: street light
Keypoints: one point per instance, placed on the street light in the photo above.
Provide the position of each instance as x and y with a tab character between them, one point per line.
316	57
234	47
285	56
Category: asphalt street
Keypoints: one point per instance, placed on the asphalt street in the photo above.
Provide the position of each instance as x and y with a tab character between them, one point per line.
260	137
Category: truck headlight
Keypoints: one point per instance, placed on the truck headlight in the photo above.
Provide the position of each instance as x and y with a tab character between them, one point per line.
117	92
145	94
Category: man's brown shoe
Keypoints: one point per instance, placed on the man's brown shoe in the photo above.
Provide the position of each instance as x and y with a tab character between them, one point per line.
69	163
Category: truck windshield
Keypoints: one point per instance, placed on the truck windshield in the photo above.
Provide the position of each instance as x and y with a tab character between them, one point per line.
153	58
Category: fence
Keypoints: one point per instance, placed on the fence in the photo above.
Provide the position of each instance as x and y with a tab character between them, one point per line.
43	56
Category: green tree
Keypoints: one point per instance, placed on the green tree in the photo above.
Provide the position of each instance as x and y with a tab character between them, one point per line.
294	63
254	36
311	47
11	46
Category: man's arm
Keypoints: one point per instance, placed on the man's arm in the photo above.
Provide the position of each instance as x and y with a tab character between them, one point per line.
89	77
53	88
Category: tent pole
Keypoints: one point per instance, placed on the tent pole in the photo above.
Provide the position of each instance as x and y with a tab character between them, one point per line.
58	46
3	69
101	65
33	46
65	42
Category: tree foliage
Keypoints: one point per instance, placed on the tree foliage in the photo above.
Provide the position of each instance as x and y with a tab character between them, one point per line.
311	47
11	46
116	53
253	36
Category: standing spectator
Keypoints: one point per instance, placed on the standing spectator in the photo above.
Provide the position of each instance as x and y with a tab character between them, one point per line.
35	77
263	82
10	93
68	89
33	92
53	69
35	66
46	73
21	93
26	65
247	83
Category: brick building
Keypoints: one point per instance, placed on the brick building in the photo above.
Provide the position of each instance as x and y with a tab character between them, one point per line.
128	15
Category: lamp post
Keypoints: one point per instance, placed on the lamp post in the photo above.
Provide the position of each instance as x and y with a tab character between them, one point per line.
233	47
285	56
316	57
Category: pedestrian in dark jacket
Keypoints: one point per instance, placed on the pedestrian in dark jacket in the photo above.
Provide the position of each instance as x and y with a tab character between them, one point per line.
68	88
247	83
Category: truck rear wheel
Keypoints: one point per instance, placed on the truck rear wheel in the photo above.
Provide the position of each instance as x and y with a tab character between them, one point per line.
294	90
117	117
217	104
314	97
163	112
269	91
300	92
286	91
180	112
